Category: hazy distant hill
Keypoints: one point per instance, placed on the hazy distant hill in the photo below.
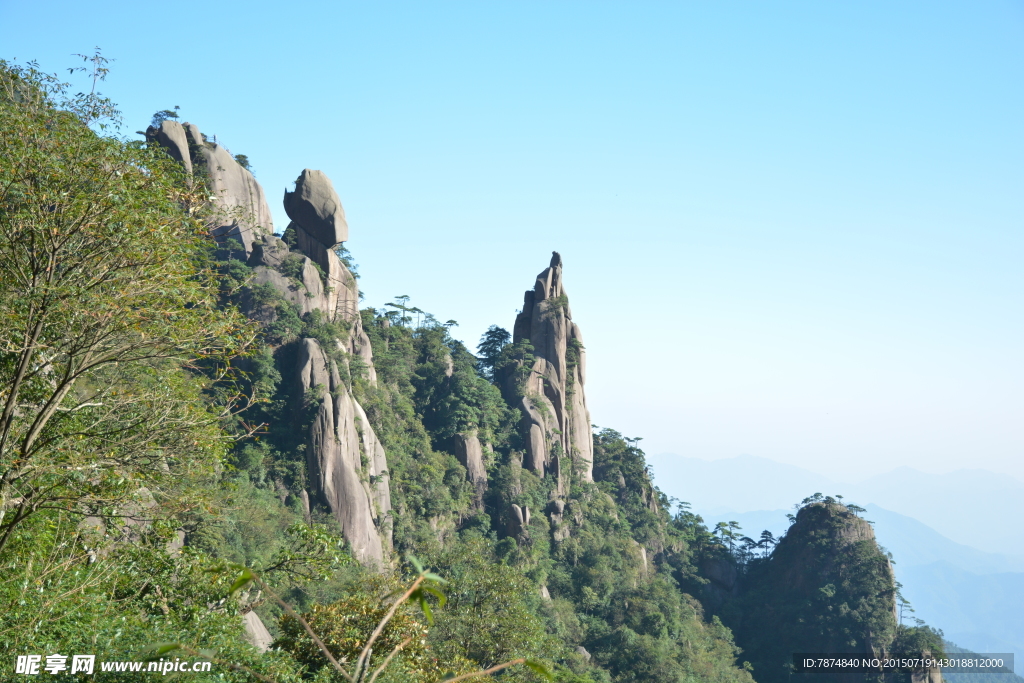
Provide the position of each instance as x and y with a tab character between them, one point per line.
974	596
952	647
977	508
974	507
911	542
982	612
955	538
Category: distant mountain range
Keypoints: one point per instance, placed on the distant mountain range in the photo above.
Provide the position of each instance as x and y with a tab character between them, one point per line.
971	591
977	508
911	542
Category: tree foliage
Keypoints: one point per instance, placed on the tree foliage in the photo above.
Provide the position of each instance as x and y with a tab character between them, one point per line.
490	347
108	314
826	587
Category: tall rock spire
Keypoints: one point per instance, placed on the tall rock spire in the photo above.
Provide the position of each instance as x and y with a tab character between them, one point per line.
556	421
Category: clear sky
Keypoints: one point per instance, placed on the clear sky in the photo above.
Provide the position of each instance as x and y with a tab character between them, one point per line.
792	230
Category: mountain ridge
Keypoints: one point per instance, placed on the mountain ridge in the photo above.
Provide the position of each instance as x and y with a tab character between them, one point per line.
987	517
929	566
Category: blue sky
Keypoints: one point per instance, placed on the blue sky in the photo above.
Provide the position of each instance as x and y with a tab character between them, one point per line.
792	230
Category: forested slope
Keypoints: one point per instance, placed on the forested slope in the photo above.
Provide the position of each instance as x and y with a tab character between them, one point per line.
206	443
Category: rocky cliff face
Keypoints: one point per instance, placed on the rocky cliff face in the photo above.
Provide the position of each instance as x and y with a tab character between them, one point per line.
345	462
825	536
470	453
556	421
238	208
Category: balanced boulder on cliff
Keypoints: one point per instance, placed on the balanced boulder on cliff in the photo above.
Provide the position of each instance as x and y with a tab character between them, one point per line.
318	225
316	208
345	462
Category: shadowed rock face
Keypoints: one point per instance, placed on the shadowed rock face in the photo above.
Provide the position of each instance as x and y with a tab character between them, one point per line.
171	136
195	138
556	420
316	207
336	295
827	587
241	209
828	525
305	291
341	439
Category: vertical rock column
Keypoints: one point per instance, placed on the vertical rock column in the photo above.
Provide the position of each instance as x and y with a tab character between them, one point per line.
318	221
346	461
555	416
470	453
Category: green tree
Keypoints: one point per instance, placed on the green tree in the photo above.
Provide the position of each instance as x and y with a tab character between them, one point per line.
490	615
164	115
110	329
491	344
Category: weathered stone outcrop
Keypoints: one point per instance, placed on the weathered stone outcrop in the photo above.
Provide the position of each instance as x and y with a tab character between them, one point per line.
171	136
799	561
336	295
932	674
519	522
239	207
826	587
195	138
340	441
556	421
819	523
269	252
316	207
470	453
319	225
305	291
560	526
346	463
256	631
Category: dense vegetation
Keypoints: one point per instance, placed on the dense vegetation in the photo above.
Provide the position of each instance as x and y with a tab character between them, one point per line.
152	447
115	374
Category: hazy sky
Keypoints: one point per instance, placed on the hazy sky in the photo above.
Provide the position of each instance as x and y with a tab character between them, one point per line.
792	230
